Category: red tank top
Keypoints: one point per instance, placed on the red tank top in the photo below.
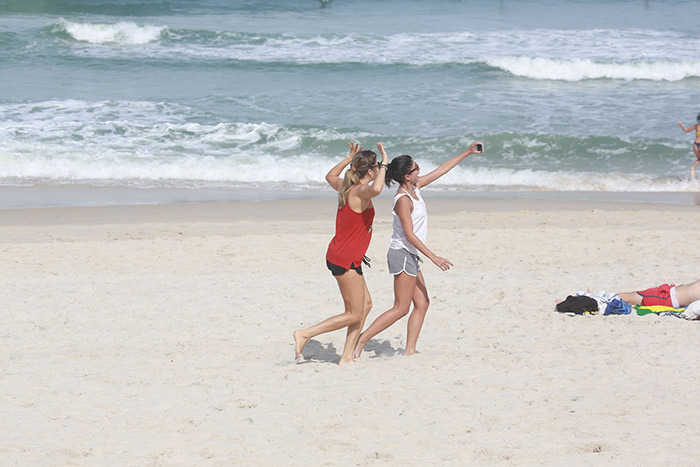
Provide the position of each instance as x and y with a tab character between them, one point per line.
353	231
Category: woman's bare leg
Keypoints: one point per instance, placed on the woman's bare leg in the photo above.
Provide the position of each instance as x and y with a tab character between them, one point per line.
415	321
633	298
354	330
404	286
352	288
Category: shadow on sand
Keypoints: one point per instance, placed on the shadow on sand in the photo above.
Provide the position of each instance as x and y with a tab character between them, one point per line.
314	351
381	348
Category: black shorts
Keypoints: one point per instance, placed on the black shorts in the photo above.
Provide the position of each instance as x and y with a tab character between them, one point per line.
339	271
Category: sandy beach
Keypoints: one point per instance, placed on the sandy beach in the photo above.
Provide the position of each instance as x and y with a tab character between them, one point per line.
162	335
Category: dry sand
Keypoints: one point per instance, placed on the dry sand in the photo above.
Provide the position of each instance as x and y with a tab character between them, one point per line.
162	335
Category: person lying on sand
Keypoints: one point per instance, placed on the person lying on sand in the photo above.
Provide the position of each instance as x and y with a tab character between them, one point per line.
675	296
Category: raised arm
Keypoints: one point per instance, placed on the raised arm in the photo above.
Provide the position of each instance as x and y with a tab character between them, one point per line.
375	188
403	210
687	130
333	175
446	166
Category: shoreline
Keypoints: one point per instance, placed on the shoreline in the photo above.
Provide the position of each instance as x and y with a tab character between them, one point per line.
38	197
296	210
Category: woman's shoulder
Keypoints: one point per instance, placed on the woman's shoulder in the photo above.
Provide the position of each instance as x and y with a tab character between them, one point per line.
402	198
400	192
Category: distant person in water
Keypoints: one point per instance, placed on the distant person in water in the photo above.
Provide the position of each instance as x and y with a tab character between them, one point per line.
696	144
363	181
408	239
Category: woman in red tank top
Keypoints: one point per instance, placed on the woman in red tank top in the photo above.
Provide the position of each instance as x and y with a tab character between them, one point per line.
353	231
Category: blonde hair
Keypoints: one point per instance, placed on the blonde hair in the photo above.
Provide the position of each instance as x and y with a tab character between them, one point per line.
360	165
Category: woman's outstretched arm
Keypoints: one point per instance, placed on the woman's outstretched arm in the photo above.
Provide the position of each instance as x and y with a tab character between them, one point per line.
687	130
446	166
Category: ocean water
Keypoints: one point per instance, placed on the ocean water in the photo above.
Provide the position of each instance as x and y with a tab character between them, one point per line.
567	95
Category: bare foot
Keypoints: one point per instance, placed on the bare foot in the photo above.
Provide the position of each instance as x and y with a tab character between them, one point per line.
358	350
344	360
410	352
300	343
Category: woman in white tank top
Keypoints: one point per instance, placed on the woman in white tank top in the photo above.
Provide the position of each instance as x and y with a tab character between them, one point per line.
408	239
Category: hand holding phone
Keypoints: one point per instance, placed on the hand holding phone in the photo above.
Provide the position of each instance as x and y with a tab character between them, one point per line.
478	147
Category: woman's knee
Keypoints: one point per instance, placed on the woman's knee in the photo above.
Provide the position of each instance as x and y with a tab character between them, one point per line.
400	310
353	313
353	318
421	303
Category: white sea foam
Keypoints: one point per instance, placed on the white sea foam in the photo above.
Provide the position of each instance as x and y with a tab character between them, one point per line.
527	179
74	140
541	54
60	164
257	168
253	165
582	69
118	33
158	143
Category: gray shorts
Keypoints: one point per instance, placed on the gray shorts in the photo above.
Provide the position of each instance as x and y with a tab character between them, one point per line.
403	261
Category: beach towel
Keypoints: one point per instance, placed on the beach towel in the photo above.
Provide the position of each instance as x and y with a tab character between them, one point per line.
643	310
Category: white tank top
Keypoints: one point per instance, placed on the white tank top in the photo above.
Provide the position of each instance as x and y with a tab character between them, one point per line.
419	216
